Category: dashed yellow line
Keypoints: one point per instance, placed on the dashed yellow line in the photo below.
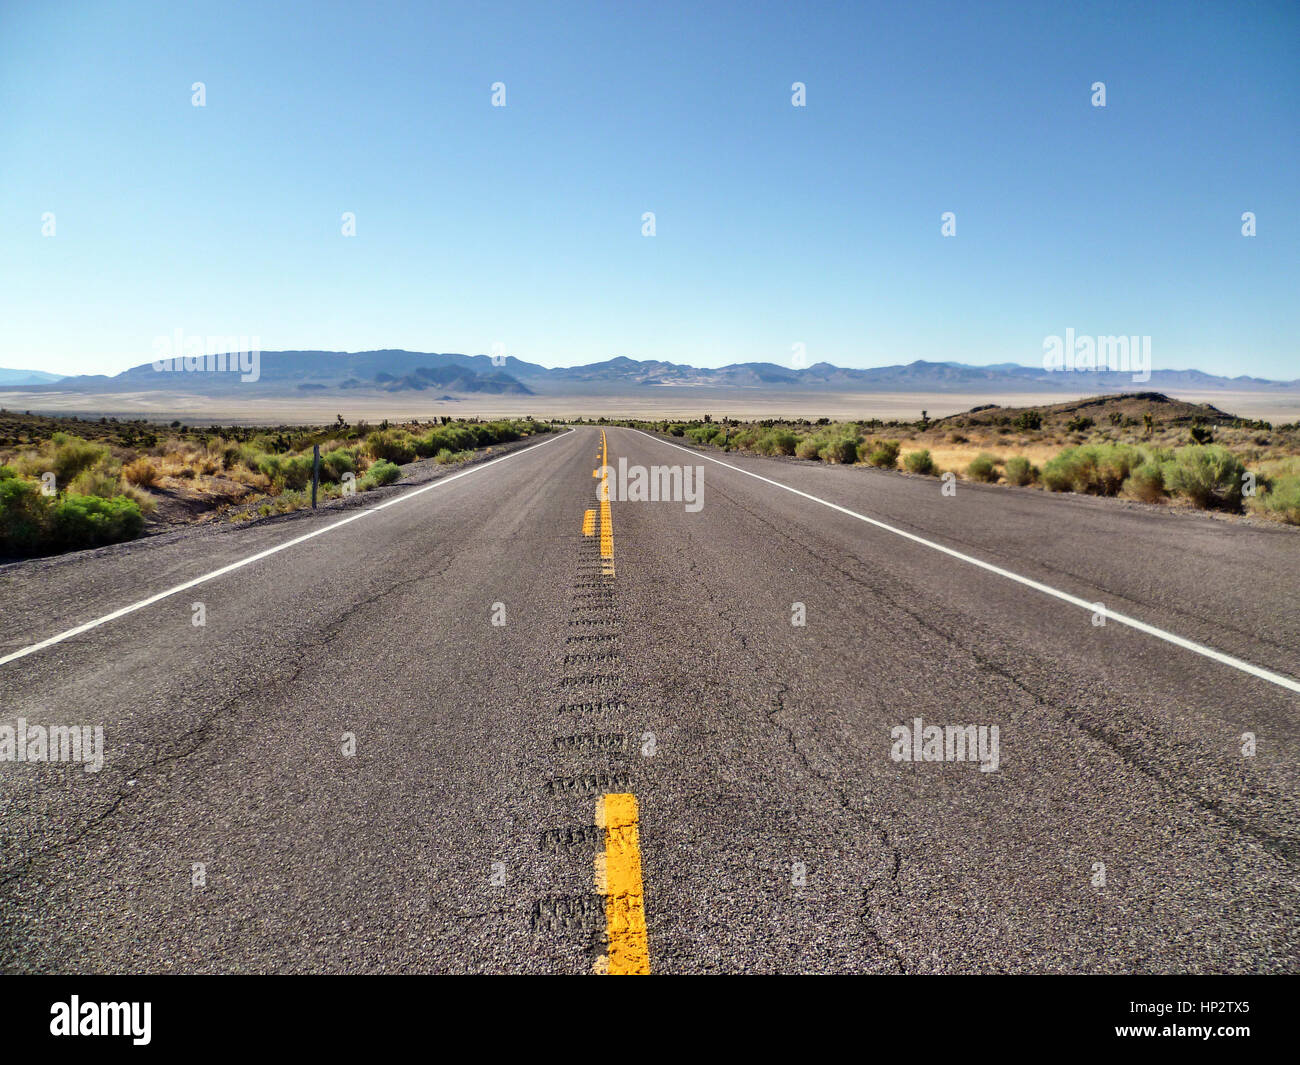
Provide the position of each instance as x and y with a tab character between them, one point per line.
618	878
589	523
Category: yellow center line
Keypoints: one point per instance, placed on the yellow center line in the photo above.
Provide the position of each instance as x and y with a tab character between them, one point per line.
606	519
618	878
588	523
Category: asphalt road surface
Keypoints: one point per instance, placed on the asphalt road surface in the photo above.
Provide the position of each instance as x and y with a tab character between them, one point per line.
389	744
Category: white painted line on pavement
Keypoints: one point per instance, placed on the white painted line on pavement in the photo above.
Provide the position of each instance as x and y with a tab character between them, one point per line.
270	551
1151	630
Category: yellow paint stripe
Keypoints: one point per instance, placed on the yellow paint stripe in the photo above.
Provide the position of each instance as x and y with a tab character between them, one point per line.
589	523
606	518
618	878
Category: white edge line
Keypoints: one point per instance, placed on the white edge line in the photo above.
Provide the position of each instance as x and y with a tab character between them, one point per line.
367	512
1097	608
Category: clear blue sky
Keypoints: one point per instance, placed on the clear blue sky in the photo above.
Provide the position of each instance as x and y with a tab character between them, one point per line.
775	225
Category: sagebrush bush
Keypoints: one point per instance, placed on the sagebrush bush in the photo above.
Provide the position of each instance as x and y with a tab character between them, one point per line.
391	445
884	454
843	449
920	462
1279	499
1147	482
380	473
32	523
1207	474
773	442
1020	471
89	521
983	467
65	456
24	516
1094	469
808	448
141	471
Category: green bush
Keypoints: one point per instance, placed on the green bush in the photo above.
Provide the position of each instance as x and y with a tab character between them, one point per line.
774	442
808	448
88	521
32	523
920	462
983	467
705	434
1207	474
391	445
65	456
1279	499
334	464
100	480
1020	471
381	473
843	449
1028	420
1095	469
287	471
1147	482
884	454
24	516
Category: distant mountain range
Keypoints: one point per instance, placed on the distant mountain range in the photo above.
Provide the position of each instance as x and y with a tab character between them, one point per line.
27	377
287	372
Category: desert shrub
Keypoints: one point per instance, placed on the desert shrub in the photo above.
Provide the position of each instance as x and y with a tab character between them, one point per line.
391	445
842	449
1079	424
920	462
1028	420
1095	469
1207	474
334	464
1278	499
775	442
446	456
24	516
65	456
88	521
101	480
983	467
141	471
884	454
380	473
1146	482
705	434
287	471
808	448
1020	471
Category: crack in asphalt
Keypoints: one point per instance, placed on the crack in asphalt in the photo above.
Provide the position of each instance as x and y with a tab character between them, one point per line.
302	654
1287	848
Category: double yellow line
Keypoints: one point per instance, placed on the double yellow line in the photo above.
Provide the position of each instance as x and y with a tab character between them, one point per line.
618	867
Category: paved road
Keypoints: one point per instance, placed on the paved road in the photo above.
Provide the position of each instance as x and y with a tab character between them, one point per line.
771	828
